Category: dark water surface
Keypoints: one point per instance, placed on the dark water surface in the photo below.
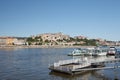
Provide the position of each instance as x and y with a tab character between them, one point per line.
32	64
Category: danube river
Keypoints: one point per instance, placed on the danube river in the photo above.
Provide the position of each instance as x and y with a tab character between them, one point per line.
32	64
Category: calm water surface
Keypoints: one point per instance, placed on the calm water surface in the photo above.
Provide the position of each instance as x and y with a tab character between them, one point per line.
32	64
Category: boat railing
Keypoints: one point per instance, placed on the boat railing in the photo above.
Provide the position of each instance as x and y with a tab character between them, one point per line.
64	62
82	60
81	65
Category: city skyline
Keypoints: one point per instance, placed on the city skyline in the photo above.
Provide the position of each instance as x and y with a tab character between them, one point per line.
91	18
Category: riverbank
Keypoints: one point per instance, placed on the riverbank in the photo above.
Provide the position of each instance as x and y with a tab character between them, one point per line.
43	46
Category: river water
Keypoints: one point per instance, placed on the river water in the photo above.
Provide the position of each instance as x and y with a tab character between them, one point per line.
32	64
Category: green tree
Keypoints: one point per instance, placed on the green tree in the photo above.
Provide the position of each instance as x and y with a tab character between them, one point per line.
36	40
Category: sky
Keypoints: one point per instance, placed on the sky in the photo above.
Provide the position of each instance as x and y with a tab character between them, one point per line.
90	18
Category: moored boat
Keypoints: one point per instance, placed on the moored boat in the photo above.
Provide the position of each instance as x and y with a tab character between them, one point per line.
111	51
81	52
75	52
100	51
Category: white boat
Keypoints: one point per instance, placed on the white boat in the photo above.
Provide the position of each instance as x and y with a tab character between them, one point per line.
81	52
111	51
100	51
75	52
90	51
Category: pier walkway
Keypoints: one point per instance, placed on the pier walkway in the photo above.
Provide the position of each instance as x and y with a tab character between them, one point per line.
83	64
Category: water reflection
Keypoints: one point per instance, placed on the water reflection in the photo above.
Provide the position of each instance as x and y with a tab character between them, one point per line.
89	75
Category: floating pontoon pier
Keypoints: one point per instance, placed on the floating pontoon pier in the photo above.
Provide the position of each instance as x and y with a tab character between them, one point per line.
76	66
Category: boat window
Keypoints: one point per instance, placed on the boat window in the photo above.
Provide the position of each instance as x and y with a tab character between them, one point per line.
97	51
